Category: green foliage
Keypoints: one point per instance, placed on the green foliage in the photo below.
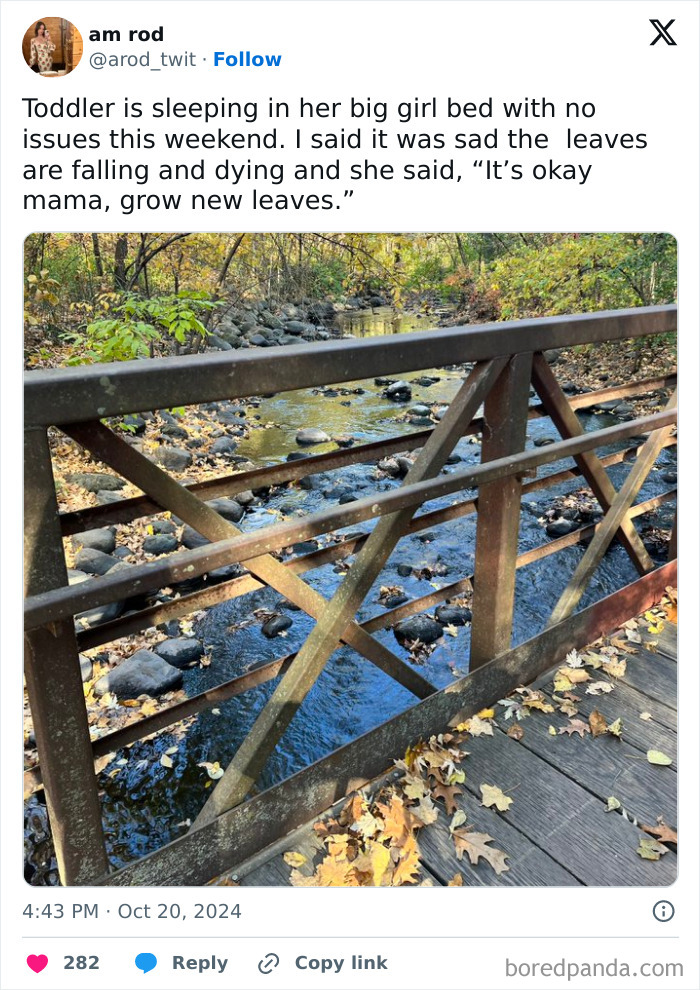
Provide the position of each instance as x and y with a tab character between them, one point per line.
140	326
40	297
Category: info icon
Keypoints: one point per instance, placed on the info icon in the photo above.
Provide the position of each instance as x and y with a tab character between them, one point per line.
663	910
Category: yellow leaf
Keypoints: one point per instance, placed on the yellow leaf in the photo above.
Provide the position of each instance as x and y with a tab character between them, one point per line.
165	761
658	758
486	713
491	795
294	859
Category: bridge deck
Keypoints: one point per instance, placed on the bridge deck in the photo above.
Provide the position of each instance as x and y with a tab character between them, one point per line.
557	830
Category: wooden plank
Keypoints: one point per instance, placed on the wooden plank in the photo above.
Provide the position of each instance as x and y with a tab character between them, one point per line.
239	833
498	522
606	767
666	641
563	818
528	864
657	679
566	422
247	764
626	703
612	521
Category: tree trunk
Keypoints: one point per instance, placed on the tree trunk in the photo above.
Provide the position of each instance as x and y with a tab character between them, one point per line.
121	250
99	268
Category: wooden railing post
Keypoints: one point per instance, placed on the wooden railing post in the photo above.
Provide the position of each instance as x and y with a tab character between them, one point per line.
505	424
55	687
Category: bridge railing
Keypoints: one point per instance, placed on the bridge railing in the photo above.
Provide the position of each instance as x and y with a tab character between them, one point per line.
506	358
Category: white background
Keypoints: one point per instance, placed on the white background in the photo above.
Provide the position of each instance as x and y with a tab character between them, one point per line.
392	51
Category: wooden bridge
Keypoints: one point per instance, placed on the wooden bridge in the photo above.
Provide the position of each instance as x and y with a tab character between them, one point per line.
232	829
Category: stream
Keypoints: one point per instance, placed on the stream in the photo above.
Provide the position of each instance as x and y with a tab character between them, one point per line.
145	804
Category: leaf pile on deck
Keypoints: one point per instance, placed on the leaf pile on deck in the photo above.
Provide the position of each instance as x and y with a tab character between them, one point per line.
373	843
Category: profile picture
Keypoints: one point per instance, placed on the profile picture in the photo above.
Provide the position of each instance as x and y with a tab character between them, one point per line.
52	46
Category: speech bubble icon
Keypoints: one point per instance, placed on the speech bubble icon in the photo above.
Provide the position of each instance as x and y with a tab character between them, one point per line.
146	961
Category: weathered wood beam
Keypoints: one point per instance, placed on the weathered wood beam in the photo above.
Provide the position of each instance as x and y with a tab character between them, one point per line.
614	516
505	425
270	725
150	478
55	690
566	422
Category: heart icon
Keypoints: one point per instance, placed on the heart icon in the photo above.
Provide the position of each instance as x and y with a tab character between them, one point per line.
37	963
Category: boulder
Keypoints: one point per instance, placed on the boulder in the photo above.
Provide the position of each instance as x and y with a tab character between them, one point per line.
180	652
94	561
224	445
192	539
134	424
311	435
85	667
96	539
275	625
561	527
228	508
142	673
163	526
173	430
398	392
174	458
404	570
160	543
453	615
270	321
95	481
418	627
218	343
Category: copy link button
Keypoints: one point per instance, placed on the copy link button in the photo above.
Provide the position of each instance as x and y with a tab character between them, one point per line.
663	910
268	963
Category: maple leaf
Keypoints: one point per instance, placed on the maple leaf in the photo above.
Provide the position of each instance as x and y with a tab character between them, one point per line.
367	825
491	795
451	630
474	844
576	725
597	723
574	659
448	794
664	833
336	872
374	862
408	867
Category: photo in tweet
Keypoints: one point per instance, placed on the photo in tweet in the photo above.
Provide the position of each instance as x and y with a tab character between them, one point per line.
350	559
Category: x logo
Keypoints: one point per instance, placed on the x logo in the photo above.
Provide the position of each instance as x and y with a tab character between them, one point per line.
662	31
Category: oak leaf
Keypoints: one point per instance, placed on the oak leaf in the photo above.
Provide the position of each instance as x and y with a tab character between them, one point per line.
575	725
664	833
474	844
447	793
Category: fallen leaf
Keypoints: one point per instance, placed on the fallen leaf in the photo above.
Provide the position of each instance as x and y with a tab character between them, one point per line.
616	668
426	811
574	659
664	833
165	761
456	881
491	795
575	725
646	716
651	849
516	732
294	859
479	727
599	687
486	713
597	723
214	770
447	794
658	758
451	630
552	731
615	728
474	844
458	819
613	804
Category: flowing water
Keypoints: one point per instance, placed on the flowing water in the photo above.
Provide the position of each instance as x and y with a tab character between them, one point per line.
145	804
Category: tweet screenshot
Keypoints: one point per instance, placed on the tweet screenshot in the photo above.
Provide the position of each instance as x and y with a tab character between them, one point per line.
340	471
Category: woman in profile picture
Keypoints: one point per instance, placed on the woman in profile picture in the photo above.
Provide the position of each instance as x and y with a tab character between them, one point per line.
41	48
